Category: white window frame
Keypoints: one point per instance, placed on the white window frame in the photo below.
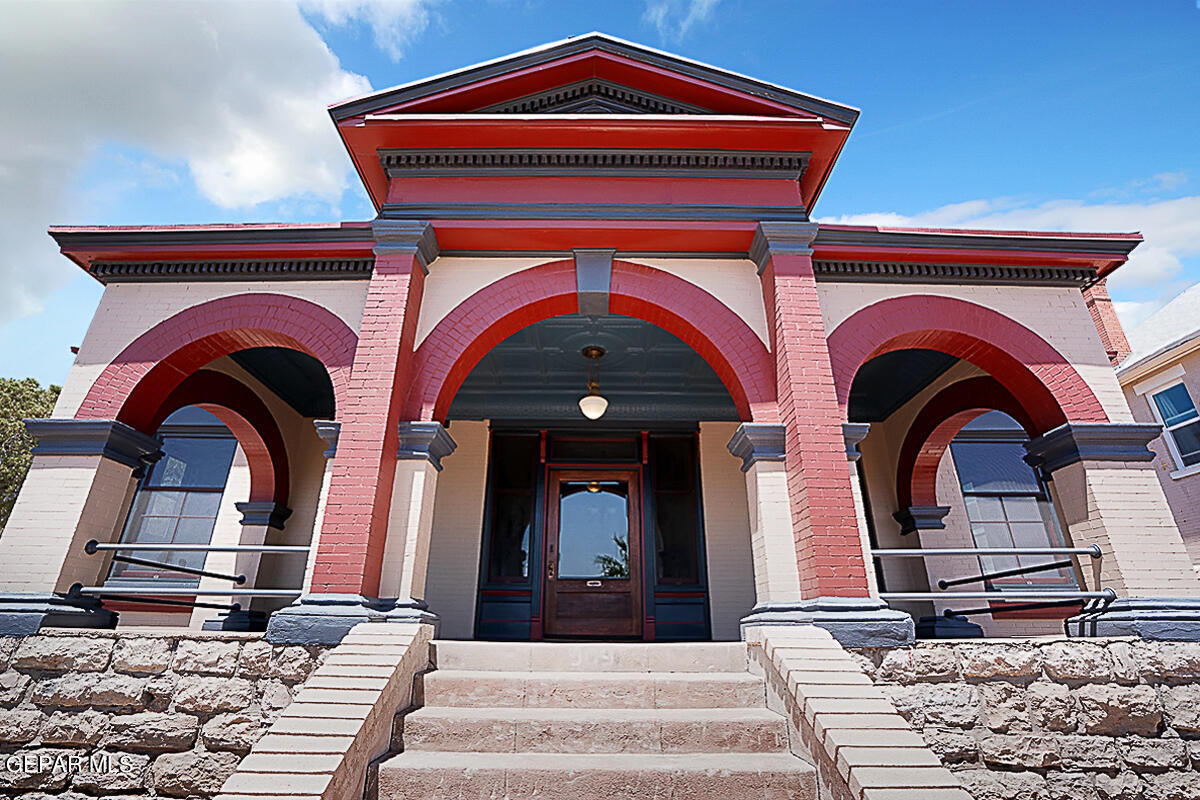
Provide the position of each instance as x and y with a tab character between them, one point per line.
1181	470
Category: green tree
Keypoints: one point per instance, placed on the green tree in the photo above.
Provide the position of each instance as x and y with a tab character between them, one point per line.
19	400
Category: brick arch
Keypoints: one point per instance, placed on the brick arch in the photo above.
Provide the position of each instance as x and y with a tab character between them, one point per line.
516	301
248	419
1029	368
936	425
134	386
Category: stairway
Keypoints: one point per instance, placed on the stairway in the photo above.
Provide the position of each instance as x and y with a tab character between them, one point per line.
501	721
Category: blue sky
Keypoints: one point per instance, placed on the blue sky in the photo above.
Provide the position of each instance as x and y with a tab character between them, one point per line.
1063	115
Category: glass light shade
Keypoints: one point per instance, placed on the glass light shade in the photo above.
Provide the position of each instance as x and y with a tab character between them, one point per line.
593	406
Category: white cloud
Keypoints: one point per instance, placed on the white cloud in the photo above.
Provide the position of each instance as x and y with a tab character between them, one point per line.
395	22
234	92
674	19
1171	229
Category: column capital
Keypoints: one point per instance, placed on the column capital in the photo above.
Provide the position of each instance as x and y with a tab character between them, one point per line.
269	513
328	430
757	441
428	441
781	238
406	237
853	433
94	437
1091	441
921	518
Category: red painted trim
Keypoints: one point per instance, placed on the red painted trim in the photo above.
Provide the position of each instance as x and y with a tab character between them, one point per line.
137	382
248	418
936	425
1051	391
501	309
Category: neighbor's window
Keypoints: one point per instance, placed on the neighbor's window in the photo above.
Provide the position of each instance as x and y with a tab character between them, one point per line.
1007	505
177	500
1178	414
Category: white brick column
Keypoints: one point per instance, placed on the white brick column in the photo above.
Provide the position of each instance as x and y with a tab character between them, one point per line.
423	445
328	431
79	487
1107	494
853	433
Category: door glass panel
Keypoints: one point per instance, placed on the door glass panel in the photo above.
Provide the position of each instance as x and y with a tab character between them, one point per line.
593	529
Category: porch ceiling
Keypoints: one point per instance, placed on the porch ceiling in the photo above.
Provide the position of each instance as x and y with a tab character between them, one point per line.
887	382
647	375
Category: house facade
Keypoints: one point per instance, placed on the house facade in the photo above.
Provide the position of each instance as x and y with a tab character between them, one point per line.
594	372
1161	380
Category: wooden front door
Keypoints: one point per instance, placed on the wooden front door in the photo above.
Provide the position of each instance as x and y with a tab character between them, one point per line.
593	554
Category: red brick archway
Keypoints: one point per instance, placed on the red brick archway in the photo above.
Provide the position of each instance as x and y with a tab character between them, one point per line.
514	302
935	427
1049	388
134	386
248	419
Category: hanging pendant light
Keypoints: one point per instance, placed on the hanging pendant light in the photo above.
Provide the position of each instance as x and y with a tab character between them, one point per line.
592	404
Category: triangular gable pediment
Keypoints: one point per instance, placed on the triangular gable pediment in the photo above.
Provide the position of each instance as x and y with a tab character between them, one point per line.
594	96
593	74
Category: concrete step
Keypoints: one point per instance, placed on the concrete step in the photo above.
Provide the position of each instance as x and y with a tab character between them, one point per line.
590	656
433	775
601	730
488	689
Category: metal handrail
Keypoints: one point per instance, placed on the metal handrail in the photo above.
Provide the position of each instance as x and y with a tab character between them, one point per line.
169	567
1103	594
92	546
1074	552
1091	550
1004	573
183	592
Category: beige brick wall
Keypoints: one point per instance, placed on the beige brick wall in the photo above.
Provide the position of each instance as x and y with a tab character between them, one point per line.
726	531
1058	315
1181	486
64	502
734	282
127	310
458	531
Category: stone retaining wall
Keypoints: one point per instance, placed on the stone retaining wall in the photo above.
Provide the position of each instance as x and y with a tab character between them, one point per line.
1053	719
137	712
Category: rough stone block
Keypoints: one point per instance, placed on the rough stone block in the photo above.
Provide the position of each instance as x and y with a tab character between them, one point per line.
942	704
292	665
952	746
192	773
20	725
142	656
1004	708
43	769
12	688
1070	786
122	772
1124	661
999	662
79	728
255	659
237	731
1125	786
206	657
1171	786
211	695
63	653
915	664
151	732
1051	706
1154	755
1077	662
159	692
984	784
1026	752
1089	753
77	690
1119	710
1181	705
1168	660
275	695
